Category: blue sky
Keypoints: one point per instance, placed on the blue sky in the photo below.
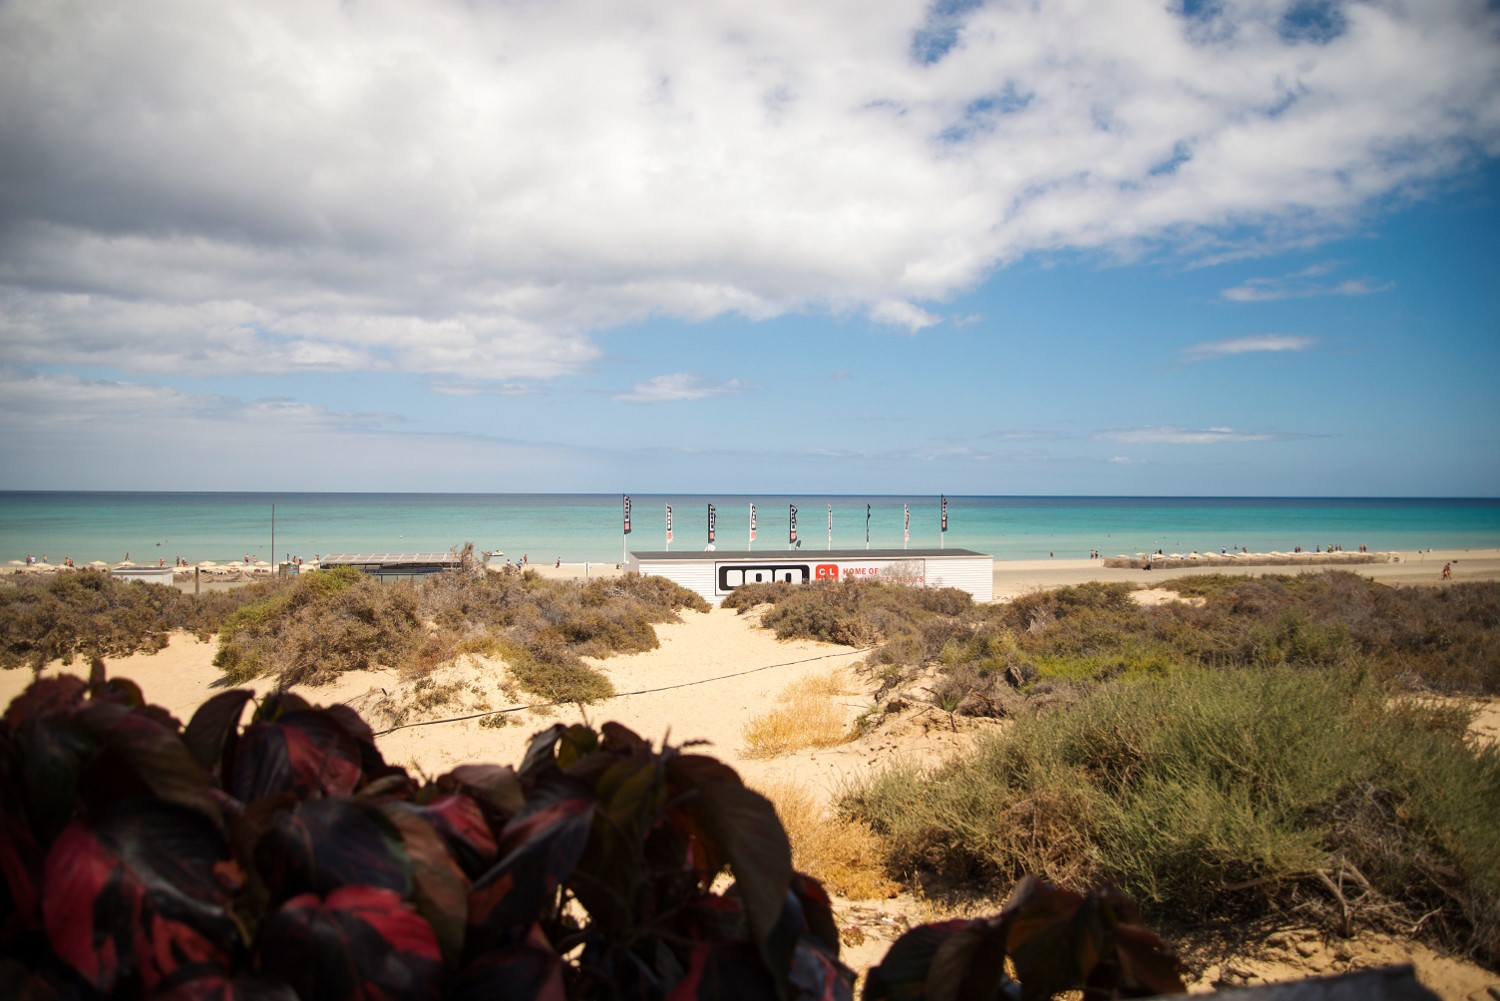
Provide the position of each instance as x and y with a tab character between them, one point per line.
976	248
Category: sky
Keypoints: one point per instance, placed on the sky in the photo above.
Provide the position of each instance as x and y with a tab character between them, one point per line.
1144	247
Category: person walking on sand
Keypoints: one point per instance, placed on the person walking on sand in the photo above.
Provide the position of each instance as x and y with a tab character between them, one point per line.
1447	571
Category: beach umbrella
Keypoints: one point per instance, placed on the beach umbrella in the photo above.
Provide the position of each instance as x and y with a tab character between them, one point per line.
98	563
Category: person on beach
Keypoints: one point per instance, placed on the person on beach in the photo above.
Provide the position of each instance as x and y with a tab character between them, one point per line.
558	564
1447	571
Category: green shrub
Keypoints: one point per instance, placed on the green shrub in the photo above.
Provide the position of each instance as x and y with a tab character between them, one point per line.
546	668
1216	792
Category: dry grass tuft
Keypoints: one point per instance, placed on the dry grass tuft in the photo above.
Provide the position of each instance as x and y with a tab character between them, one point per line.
844	854
829	685
804	718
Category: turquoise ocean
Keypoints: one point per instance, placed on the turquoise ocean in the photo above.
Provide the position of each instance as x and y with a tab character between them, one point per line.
577	527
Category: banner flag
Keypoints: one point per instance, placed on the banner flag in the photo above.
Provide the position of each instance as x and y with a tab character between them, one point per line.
627	514
791	536
906	529
867	525
713	523
752	522
945	512
669	524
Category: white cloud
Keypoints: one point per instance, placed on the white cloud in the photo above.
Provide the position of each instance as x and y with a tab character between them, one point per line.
902	314
1191	436
1246	345
676	387
1303	284
473	191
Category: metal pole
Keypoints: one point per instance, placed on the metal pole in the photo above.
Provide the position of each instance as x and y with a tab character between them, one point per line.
273	540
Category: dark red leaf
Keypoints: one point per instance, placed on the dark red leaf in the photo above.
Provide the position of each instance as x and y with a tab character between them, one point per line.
541	753
371	761
539	850
324	844
20	983
1060	940
277	704
440	890
360	943
905	973
618	738
817	911
496	788
220	986
817	976
728	971
306	751
135	894
741	826
214	728
20	855
46	697
1053	935
50	755
1147	967
523	972
138	757
461	822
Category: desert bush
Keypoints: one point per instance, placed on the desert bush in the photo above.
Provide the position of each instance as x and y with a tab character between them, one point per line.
1219	792
285	858
860	614
545	667
88	613
326	623
339	619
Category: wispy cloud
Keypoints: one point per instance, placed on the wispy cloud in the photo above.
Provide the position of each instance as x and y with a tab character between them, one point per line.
1248	345
1167	435
520	389
1307	283
676	387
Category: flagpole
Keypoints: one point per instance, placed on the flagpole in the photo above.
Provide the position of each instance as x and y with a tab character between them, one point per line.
624	530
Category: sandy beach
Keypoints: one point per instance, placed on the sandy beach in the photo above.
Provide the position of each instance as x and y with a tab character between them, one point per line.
712	673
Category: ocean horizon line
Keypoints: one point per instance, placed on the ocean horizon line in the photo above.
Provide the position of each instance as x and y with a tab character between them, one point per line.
732	493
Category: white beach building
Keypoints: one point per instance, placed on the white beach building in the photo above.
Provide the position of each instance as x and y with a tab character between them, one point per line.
714	574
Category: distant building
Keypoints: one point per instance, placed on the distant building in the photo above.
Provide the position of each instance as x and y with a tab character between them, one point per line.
714	575
397	565
147	575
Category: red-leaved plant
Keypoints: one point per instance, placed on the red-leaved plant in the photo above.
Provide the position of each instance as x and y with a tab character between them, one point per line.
285	859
